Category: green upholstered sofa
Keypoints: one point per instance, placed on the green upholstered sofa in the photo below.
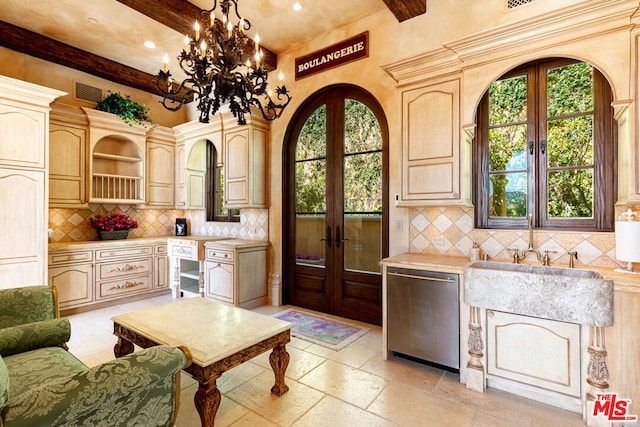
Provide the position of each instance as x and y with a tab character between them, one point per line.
42	384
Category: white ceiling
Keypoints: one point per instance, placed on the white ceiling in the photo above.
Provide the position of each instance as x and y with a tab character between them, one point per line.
112	30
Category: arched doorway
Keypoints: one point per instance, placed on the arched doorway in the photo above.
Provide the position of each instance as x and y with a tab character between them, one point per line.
335	192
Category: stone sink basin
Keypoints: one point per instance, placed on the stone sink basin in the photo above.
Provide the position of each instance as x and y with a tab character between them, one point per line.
564	294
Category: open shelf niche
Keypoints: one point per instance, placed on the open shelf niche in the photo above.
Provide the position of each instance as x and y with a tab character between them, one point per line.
116	160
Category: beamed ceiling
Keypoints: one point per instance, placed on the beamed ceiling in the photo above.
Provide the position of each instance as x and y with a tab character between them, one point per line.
105	37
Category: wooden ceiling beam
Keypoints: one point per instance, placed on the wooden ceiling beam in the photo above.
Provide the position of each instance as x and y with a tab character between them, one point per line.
39	46
180	15
406	9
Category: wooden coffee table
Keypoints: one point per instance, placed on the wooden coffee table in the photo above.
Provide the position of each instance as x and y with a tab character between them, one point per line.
219	337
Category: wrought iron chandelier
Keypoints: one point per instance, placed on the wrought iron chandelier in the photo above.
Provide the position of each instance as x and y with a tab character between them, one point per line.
223	64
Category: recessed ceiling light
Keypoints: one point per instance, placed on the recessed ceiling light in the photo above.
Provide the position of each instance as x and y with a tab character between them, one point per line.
92	20
297	6
149	44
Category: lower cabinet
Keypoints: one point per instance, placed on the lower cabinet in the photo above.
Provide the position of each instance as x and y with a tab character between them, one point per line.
86	274
236	272
74	283
540	352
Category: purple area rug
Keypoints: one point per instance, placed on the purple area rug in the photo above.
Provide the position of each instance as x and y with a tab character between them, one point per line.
320	330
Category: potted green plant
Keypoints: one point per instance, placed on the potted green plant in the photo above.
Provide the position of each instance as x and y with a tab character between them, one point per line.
124	107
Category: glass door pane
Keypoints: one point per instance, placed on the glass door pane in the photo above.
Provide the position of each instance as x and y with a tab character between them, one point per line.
311	203
362	188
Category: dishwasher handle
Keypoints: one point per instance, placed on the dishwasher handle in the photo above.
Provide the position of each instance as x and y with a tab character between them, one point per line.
411	276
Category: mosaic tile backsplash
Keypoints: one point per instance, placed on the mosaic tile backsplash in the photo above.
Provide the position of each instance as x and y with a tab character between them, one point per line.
71	225
449	231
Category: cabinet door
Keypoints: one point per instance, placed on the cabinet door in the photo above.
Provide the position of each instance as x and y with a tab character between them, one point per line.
160	172
181	189
74	284
544	353
245	168
431	143
161	272
219	281
22	132
23	252
67	163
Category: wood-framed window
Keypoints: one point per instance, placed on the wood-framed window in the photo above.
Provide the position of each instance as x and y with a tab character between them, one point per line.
214	179
546	147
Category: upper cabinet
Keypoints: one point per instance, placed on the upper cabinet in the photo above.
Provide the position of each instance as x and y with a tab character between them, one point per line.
116	159
242	151
97	158
245	162
431	144
24	144
160	179
67	156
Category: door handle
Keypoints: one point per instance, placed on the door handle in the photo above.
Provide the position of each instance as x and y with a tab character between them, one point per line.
338	239
328	238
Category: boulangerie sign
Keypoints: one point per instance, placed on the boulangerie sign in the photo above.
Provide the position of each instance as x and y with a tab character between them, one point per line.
356	47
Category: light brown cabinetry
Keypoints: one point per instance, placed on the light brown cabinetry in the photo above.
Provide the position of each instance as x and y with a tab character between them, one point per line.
160	167
71	272
236	272
160	267
116	159
92	273
431	144
67	156
245	160
24	144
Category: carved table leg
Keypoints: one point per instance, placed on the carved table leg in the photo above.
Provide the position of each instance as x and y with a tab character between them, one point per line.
279	359
475	369
122	347
207	400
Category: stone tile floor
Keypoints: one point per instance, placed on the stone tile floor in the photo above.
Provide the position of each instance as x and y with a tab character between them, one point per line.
350	387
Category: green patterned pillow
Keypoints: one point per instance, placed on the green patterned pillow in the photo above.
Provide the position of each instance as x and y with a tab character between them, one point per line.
31	336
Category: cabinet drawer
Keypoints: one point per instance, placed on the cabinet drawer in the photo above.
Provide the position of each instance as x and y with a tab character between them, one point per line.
123	252
160	250
118	288
65	257
184	252
124	268
214	254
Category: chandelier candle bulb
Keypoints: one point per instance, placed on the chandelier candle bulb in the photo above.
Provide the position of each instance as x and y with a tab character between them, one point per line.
257	40
187	42
197	28
281	78
165	62
230	28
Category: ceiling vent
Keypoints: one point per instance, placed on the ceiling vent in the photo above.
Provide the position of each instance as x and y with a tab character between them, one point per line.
88	93
512	4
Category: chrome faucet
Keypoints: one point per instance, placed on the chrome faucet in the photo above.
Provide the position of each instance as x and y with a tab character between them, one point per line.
572	255
519	257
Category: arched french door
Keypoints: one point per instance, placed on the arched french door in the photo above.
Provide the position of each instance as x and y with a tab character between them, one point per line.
335	204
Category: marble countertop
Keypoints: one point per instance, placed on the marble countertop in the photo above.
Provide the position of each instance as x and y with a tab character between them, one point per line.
624	282
93	244
238	243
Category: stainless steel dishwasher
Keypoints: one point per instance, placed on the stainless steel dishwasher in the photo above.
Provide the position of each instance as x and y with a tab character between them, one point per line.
423	316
